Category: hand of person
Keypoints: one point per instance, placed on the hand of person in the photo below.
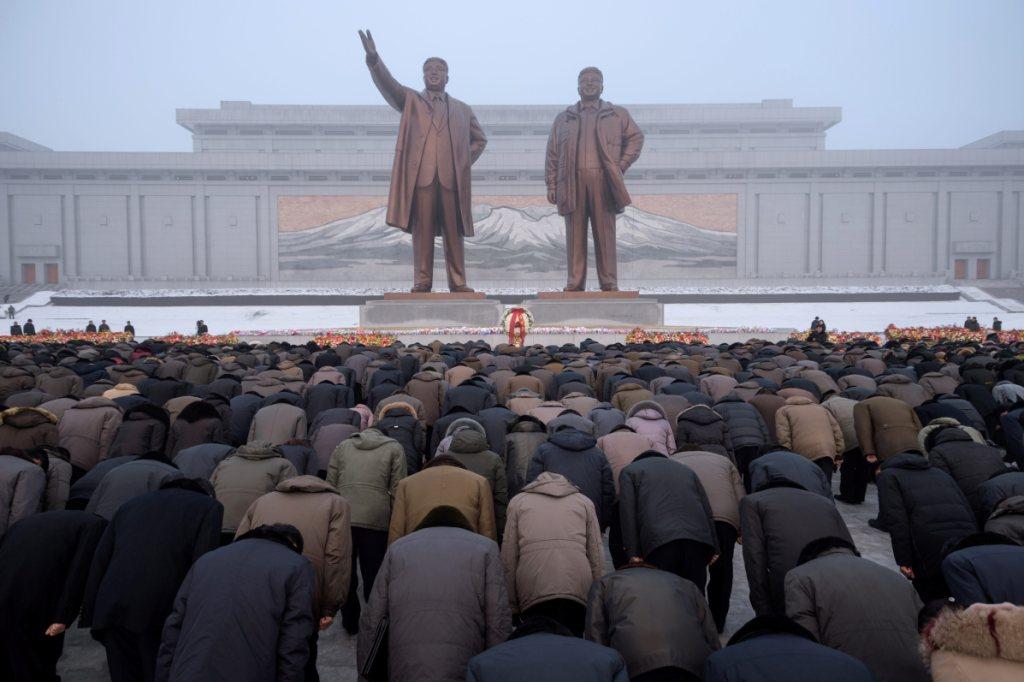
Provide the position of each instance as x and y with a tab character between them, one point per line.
369	46
907	572
634	560
552	196
714	558
739	539
871	459
56	629
325	622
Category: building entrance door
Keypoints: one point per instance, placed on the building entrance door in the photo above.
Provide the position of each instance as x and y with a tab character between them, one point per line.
960	268
52	273
983	267
28	273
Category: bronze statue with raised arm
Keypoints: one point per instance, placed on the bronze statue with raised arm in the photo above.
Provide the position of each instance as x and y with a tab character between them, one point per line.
439	139
591	145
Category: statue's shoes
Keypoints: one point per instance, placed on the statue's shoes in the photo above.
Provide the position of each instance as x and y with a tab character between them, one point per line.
463	290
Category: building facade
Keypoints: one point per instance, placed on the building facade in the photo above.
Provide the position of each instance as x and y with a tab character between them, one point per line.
295	194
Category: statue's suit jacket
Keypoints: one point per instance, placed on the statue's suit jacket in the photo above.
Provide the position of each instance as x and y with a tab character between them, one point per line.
468	142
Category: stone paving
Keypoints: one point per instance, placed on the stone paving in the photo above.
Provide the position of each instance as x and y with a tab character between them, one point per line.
84	659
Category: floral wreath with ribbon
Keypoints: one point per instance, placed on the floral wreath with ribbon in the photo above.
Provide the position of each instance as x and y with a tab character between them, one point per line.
517	322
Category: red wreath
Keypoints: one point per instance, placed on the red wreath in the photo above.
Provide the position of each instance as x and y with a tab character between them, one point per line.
517	327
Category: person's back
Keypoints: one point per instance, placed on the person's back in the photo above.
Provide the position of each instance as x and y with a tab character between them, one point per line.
444	481
244	612
655	619
127	482
250	471
22	487
986	573
776	523
541	651
885	427
200	461
442	588
969	463
574	454
470	447
783	465
858	607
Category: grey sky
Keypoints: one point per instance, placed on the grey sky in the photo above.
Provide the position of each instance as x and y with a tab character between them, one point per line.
107	75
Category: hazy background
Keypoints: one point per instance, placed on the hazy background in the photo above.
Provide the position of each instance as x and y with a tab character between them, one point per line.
107	75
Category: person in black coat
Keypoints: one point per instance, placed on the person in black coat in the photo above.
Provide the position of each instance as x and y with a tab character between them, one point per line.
139	565
16	329
104	327
90	328
776	523
326	396
44	563
923	508
783	465
666	517
472	395
129	328
999	487
243	409
201	328
160	390
776	648
398	421
985	568
30	329
244	612
747	430
969	463
575	455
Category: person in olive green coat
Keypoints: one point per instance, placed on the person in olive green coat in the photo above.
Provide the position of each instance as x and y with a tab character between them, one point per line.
469	446
366	468
252	470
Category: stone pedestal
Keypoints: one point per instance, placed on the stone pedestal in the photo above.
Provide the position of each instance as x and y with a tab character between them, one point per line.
409	311
594	309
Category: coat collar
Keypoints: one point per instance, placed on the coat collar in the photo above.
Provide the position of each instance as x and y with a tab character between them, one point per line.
604	109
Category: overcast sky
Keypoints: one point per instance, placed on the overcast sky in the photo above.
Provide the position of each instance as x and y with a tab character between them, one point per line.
108	75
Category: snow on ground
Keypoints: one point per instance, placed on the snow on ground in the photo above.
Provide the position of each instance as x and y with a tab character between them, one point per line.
862	316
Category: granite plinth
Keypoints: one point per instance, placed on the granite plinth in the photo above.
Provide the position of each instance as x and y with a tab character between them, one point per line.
585	295
595	311
431	310
435	296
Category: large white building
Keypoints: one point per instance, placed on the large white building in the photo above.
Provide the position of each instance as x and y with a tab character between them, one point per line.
293	194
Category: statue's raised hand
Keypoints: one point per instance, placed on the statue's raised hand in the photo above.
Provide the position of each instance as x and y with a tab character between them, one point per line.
369	46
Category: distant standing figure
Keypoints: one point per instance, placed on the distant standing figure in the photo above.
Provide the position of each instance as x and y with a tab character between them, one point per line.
997	324
30	329
104	327
16	329
90	328
10	312
201	328
129	329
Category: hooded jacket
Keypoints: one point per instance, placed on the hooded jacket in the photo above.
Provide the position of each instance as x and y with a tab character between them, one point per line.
648	418
60	382
781	465
661	500
982	642
24	428
655	619
87	429
621	447
807	428
986	574
1008	519
969	463
366	469
469	447
702	426
574	455
922	508
776	524
525	435
552	548
747	429
399	421
250	471
540	654
143	429
903	388
860	608
14	380
198	423
322	516
429	388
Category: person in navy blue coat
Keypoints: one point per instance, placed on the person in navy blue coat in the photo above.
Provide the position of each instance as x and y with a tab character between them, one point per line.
985	568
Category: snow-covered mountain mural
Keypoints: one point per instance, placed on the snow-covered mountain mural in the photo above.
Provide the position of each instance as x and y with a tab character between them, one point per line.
521	242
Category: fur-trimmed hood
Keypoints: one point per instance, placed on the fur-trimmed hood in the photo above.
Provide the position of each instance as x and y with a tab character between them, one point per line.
981	630
397	406
26	417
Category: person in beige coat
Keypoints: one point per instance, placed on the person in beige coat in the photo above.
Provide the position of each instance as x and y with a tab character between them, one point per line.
278	424
552	551
807	428
247	473
444	481
87	430
981	642
321	515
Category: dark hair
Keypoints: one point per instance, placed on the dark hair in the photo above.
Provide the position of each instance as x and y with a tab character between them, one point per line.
196	485
815	548
445	516
281	533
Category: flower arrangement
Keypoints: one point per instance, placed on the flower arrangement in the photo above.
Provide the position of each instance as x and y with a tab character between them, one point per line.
840	337
639	335
517	322
373	339
950	333
66	335
180	339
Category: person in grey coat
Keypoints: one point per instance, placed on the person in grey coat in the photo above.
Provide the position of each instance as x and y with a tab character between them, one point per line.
444	593
145	474
783	465
776	523
542	650
199	461
261	580
658	621
575	455
22	486
666	517
858	607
